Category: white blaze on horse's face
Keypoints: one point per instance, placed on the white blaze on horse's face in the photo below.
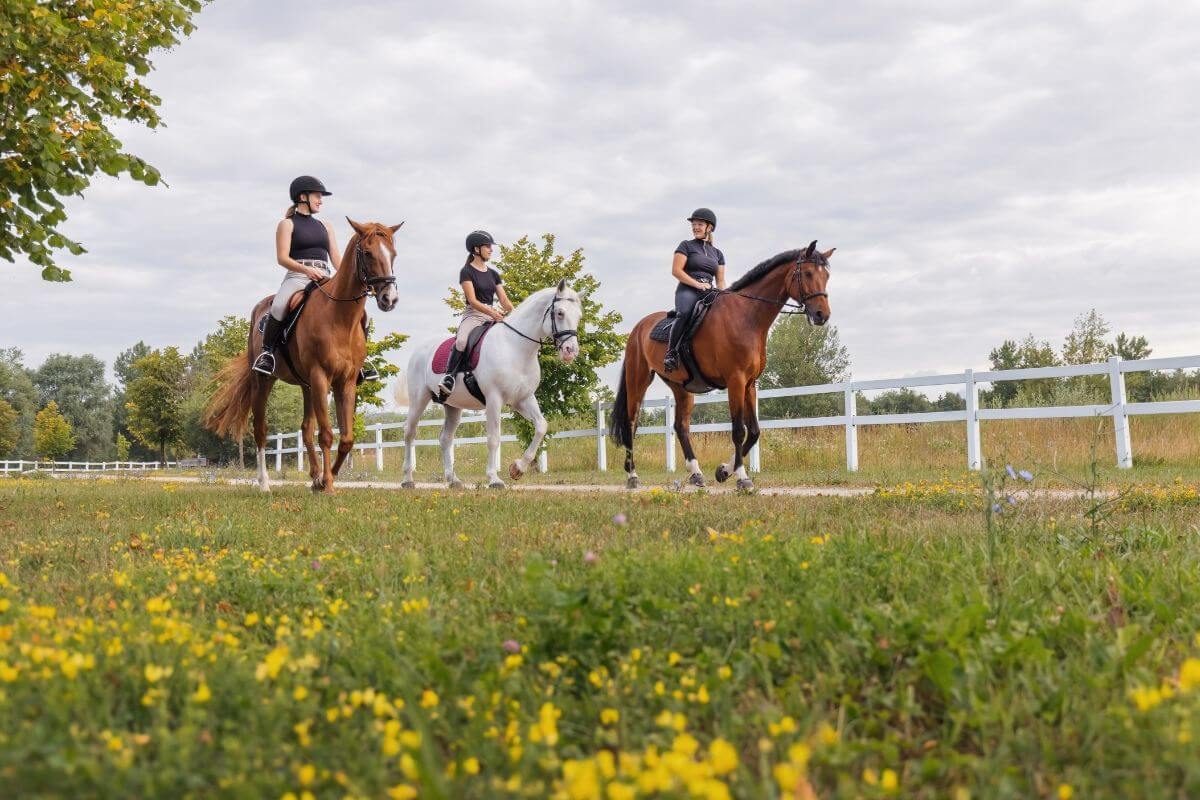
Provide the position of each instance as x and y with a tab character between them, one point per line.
567	310
387	298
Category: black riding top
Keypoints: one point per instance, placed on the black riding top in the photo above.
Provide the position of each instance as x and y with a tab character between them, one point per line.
485	282
310	239
702	259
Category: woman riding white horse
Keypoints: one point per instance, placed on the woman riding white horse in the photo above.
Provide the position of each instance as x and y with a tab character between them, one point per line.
508	374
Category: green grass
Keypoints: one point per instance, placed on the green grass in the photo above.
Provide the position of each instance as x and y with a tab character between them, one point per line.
197	640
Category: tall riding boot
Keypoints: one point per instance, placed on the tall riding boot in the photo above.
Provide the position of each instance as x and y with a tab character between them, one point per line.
452	367
367	372
272	334
671	360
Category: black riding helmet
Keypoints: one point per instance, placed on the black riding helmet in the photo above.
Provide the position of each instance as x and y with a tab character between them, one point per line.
305	184
478	239
704	215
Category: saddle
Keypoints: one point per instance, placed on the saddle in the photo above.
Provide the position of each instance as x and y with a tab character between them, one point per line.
696	382
295	309
441	360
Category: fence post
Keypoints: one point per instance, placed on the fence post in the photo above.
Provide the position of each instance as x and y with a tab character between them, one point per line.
755	462
669	434
278	452
851	405
300	451
543	461
601	449
974	457
379	447
1120	418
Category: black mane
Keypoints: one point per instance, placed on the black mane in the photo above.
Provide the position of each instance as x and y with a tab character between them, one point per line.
791	256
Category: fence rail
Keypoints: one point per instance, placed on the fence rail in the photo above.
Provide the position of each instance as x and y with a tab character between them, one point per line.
1119	409
18	467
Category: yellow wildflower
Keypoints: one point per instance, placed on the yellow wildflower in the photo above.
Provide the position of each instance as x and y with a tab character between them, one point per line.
610	716
202	694
429	698
1065	792
1189	675
723	756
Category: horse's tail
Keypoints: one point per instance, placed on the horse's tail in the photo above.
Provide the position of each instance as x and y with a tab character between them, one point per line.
620	426
229	409
400	390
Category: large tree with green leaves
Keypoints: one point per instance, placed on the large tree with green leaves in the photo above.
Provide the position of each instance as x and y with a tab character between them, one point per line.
565	388
155	399
17	389
77	385
70	69
52	433
801	354
10	431
125	374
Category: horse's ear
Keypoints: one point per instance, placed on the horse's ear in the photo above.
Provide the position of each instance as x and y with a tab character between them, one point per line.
828	253
394	228
807	253
562	286
359	229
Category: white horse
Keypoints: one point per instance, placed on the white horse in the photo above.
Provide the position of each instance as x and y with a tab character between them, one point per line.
508	374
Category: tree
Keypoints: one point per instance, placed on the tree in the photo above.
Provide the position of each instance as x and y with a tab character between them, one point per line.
1087	343
125	375
1026	354
155	399
52	433
77	385
10	431
70	70
17	389
122	448
800	354
565	388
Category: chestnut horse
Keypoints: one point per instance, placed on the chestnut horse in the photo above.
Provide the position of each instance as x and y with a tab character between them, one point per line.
326	347
730	349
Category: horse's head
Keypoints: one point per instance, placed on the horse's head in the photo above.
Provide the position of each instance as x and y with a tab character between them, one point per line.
374	254
562	321
806	284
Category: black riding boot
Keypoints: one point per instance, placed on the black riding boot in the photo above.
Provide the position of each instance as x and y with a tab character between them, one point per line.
367	372
455	362
272	333
671	359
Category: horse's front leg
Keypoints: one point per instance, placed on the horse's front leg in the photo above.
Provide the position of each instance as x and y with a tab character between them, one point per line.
492	410
320	402
737	423
346	399
307	425
530	410
446	440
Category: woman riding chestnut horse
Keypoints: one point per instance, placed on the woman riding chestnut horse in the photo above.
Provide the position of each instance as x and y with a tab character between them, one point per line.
730	350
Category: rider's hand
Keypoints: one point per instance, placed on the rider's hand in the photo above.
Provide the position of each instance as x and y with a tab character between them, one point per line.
315	274
497	315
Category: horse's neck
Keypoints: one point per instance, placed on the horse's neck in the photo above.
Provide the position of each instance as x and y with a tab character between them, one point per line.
345	284
772	287
527	318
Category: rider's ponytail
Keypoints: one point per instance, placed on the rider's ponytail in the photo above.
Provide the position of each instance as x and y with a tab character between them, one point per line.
709	237
291	211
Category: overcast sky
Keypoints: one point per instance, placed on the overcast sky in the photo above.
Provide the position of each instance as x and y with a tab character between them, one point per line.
984	169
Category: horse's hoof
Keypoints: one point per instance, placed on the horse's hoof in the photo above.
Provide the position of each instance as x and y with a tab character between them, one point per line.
696	479
631	483
722	474
745	485
407	485
318	485
497	485
514	472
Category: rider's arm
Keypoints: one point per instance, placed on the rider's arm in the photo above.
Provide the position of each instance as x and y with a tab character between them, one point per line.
468	289
721	277
678	274
335	252
505	303
283	245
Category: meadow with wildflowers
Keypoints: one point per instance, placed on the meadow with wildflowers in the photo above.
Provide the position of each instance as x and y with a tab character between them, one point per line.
189	640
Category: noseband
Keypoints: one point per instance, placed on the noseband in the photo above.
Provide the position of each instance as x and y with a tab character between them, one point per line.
374	283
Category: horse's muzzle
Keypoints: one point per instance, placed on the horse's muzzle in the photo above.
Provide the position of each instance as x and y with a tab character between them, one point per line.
387	299
569	350
818	317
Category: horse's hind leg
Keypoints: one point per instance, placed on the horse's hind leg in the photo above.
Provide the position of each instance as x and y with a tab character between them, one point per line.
259	409
446	440
684	402
417	403
638	378
530	410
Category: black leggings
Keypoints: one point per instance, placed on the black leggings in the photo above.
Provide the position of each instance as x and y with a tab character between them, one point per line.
686	298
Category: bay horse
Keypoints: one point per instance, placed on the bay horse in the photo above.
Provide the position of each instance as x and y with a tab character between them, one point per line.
324	351
731	351
508	373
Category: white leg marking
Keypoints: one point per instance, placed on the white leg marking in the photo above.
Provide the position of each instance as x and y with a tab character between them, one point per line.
741	473
263	482
693	467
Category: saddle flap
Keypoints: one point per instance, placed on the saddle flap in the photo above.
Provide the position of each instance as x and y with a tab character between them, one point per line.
441	356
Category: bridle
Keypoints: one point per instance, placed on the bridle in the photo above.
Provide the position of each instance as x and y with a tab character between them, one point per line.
373	283
801	306
557	335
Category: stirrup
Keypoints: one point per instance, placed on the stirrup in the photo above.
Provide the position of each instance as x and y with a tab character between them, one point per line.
671	361
367	373
265	363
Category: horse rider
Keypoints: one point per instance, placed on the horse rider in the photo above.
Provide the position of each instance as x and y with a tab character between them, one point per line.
305	247
481	286
697	265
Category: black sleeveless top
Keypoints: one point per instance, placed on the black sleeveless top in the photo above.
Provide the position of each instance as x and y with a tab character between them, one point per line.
310	239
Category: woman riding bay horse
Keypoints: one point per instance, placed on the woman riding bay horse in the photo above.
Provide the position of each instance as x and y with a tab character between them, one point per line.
730	350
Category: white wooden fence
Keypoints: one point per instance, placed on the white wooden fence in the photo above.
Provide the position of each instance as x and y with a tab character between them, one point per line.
1119	409
17	467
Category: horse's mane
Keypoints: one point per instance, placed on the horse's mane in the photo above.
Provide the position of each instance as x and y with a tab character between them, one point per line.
791	256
